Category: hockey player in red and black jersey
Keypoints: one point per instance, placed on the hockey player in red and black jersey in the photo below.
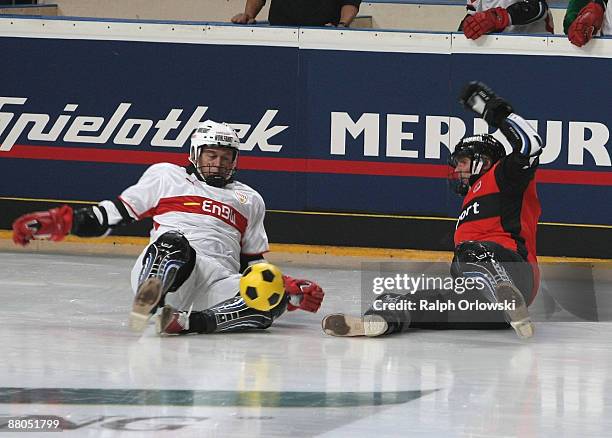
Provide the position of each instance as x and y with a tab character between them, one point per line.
207	228
495	236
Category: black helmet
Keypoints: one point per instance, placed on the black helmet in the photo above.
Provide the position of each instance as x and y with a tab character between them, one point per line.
475	148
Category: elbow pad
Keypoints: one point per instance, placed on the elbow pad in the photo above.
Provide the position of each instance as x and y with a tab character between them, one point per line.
523	138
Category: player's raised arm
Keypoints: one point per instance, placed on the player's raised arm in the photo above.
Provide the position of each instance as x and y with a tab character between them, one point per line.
497	112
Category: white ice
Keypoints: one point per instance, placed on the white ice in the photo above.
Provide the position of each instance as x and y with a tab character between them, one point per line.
63	324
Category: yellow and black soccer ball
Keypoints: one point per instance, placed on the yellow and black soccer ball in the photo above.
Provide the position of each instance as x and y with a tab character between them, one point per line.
262	286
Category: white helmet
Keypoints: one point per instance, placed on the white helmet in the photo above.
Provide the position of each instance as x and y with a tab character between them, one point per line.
217	135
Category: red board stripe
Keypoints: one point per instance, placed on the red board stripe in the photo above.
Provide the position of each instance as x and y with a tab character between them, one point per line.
93	155
302	165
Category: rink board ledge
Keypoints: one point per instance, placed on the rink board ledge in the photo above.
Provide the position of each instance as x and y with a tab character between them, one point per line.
318	255
363	40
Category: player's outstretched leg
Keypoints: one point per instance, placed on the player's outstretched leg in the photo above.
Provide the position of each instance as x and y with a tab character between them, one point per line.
231	315
167	263
478	260
373	322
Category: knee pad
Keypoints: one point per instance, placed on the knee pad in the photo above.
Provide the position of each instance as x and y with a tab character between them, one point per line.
477	260
170	258
473	251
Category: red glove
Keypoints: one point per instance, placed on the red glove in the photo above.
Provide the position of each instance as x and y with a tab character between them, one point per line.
308	294
475	26
53	224
587	23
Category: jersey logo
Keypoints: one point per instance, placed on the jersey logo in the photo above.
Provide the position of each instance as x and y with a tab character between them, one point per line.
241	196
200	205
221	211
483	207
471	209
477	187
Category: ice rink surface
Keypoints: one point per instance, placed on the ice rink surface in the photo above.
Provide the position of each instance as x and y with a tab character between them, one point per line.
68	353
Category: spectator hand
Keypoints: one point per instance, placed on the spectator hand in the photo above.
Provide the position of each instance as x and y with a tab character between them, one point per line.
481	23
587	23
243	19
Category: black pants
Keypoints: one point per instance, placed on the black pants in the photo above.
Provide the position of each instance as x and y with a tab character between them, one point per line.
471	260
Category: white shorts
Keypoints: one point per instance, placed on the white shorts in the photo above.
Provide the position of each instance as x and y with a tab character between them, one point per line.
208	284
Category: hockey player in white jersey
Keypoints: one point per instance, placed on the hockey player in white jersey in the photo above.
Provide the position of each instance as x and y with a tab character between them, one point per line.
207	228
490	16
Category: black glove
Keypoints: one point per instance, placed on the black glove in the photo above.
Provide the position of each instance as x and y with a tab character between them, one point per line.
479	98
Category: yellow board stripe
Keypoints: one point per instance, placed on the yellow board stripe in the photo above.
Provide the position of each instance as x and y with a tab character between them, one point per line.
406	254
383	216
349	251
63	201
323	213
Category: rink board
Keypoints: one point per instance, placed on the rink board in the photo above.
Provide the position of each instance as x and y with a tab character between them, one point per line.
354	122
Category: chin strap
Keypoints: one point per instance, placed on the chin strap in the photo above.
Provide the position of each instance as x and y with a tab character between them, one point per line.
216	180
477	164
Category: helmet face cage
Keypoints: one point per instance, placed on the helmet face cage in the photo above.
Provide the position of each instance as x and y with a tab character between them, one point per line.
214	135
479	149
220	178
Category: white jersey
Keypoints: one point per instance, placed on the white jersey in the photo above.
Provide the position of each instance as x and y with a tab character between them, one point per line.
606	28
543	25
221	223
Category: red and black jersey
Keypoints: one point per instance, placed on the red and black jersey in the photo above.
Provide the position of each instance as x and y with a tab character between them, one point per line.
502	206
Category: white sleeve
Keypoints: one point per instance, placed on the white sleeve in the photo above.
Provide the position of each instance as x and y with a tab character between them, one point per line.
146	193
255	240
524	138
113	215
474	6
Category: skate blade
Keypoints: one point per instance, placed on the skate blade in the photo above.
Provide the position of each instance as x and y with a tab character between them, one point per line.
138	322
344	325
524	329
519	316
146	299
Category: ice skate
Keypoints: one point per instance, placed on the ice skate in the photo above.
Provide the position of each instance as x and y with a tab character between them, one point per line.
519	315
148	296
339	324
